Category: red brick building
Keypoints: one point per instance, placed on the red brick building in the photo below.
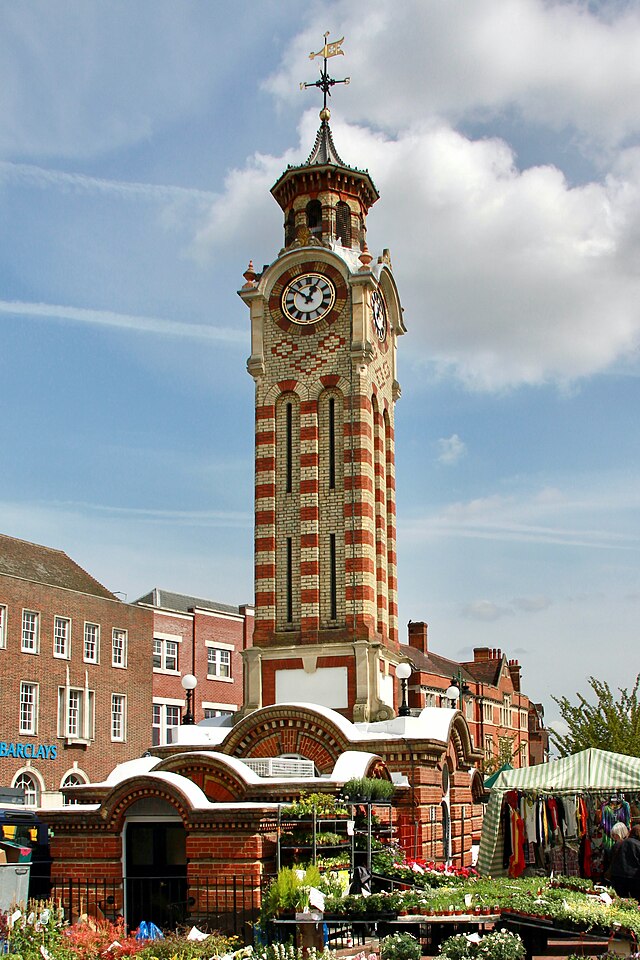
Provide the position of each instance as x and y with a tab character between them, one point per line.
198	637
75	664
499	714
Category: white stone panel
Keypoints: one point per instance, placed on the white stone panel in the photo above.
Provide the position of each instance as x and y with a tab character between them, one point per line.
326	686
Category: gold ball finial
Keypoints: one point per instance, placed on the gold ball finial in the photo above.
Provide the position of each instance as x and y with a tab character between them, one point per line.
325	114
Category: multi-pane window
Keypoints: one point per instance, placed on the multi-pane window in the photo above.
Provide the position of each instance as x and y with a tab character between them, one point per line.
91	642
118	716
31	789
487	711
119	648
28	707
211	712
488	747
3	625
165	654
30	631
71	780
76	713
166	717
505	712
218	662
62	637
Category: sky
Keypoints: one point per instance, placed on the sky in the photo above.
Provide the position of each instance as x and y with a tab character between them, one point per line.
138	144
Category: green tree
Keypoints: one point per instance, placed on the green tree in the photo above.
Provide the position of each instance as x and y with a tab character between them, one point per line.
611	723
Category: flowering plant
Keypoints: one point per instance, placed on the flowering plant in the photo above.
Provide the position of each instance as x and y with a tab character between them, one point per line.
400	946
500	945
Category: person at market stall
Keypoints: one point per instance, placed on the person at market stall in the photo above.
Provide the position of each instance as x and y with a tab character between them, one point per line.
619	832
625	866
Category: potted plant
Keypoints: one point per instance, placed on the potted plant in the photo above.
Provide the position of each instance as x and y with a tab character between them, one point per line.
400	946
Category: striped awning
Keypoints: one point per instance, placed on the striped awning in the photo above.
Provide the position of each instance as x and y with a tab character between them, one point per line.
591	771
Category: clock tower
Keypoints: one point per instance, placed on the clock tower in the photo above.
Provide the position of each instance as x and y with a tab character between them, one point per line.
325	318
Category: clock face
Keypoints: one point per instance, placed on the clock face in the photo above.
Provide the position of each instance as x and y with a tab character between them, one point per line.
379	312
308	298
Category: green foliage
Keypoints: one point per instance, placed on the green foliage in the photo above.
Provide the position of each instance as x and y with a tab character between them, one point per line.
368	789
324	805
289	890
400	946
176	947
611	723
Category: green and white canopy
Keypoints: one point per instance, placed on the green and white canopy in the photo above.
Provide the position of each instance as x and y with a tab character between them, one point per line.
591	771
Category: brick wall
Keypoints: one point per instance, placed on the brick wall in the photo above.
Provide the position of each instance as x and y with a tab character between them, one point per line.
95	759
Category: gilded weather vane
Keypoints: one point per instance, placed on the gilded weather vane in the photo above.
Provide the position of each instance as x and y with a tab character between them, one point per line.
325	82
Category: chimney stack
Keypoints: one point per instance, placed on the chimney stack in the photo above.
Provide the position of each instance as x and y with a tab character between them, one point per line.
514	670
418	636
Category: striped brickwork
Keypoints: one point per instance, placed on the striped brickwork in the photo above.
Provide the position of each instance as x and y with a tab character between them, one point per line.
325	547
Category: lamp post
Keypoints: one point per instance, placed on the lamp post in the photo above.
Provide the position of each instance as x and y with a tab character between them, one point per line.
458	689
189	683
403	672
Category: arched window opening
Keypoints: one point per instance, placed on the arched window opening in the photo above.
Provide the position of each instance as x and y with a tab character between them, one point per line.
31	788
290	228
343	223
314	217
72	780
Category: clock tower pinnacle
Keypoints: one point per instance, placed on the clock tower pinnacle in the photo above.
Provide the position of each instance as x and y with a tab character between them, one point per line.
325	319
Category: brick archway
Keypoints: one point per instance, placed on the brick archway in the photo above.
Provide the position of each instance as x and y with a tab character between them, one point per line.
213	773
283	728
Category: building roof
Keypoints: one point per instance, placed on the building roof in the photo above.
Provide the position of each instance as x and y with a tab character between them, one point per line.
324	149
485	671
30	561
435	664
182	602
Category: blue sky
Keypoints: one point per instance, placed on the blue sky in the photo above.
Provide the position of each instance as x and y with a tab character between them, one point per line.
138	143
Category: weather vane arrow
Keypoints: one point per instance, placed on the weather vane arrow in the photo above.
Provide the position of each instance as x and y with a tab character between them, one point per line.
333	49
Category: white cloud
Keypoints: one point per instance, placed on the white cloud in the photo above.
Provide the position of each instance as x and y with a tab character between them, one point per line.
532	604
543	516
485	610
33	175
107	318
451	449
557	64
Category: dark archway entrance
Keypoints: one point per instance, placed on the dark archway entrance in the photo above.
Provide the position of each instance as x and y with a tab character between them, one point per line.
155	872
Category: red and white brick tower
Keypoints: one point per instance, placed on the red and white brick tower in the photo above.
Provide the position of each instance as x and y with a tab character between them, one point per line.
325	317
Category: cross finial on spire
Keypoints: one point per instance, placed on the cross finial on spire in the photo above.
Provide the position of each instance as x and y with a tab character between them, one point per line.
325	82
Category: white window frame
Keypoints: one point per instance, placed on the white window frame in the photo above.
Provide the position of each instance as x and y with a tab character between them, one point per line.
118	717
66	654
3	626
211	712
119	651
216	661
76	714
167	650
28	723
161	728
31	797
487	711
95	641
32	645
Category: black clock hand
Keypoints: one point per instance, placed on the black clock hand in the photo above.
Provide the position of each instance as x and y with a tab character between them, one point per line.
312	289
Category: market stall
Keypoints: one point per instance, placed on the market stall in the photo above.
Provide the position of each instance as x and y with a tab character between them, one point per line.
558	815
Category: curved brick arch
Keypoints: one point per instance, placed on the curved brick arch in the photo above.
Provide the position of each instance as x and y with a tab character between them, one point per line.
318	387
213	774
460	738
285	386
114	807
280	729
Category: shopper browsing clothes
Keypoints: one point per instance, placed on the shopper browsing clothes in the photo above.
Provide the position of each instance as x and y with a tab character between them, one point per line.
625	866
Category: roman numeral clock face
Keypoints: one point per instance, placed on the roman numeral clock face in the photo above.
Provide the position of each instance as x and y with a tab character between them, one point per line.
308	298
